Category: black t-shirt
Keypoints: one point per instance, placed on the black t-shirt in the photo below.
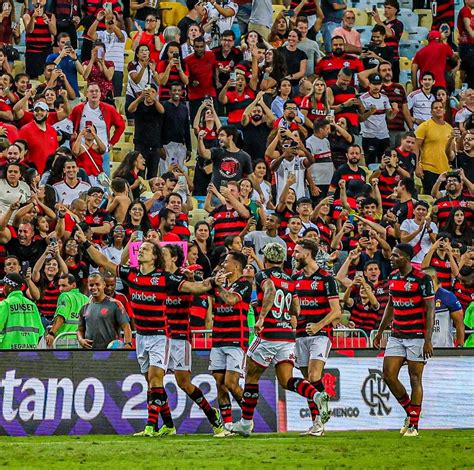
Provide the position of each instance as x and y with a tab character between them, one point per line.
464	161
293	59
183	26
29	253
386	53
229	166
406	160
148	122
255	140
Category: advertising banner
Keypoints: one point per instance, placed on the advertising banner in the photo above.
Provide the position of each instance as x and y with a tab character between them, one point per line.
360	399
82	392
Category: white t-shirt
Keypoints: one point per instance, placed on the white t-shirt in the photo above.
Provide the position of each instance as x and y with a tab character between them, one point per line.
66	194
420	105
297	166
323	168
95	115
10	194
462	115
411	226
147	77
375	126
223	23
114	49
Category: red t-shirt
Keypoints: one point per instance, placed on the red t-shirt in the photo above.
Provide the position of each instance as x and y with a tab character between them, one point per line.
465	12
41	144
237	104
28	117
84	161
201	70
433	58
12	132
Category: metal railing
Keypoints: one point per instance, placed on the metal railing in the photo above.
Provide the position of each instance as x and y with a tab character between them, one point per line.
67	340
349	338
383	343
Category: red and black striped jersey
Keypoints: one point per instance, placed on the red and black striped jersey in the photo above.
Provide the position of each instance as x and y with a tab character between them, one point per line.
309	8
325	231
397	27
447	203
285	217
365	316
290	247
406	160
97	219
226	222
40	39
314	293
178	307
277	324
443	270
341	95
387	184
49	299
316	110
147	295
465	294
408	295
328	67
395	94
230	321
382	293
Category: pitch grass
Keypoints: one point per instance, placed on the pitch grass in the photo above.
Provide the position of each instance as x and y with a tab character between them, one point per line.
365	450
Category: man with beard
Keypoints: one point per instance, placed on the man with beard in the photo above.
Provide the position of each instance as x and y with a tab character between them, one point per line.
329	66
319	309
349	171
410	311
345	102
42	138
71	187
456	196
291	117
230	163
167	223
227	57
256	122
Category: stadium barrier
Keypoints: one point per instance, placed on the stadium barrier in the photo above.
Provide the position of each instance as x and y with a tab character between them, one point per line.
102	392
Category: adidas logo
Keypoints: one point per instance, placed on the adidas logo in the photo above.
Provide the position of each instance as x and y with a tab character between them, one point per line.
179	365
320	355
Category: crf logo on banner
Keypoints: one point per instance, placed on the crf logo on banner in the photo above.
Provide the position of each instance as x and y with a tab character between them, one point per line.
376	393
331	381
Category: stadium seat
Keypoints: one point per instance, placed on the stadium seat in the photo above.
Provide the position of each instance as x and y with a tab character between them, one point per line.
121	149
362	18
405	77
172	13
129	131
417	34
196	215
409	18
405	63
427	198
409	48
425	17
365	33
277	9
120	104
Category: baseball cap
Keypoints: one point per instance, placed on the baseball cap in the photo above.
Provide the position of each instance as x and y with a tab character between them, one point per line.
14	280
274	252
375	79
195	267
434	35
41	105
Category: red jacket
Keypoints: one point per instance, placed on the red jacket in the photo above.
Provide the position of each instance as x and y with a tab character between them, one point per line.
111	117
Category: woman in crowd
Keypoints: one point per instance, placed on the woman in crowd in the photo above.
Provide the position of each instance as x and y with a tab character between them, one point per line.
136	219
170	70
129	169
203	241
458	227
279	32
72	256
150	36
316	105
100	71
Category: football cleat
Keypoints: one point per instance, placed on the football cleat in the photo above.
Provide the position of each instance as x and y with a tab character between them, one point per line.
317	430
218	427
223	433
406	425
322	402
240	428
147	432
165	431
411	432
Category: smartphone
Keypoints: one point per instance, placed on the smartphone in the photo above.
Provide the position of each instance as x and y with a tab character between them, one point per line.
365	234
139	236
67	44
248	244
25	265
288	13
100	53
331	113
374	8
359	274
182	180
29	86
464	87
147	87
175	55
224	183
88	123
107	6
351	218
233	76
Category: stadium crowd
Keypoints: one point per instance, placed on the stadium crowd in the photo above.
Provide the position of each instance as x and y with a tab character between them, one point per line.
221	127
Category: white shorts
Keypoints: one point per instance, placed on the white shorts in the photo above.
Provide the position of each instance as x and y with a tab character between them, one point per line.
411	349
266	353
231	358
312	347
180	355
153	350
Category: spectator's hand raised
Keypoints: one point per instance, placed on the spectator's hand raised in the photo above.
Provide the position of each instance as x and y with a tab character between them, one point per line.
101	15
342	184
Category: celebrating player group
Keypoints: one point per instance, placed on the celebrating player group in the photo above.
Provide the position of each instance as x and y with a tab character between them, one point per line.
294	320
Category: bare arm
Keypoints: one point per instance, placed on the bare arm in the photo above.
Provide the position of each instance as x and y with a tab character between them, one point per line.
458	320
